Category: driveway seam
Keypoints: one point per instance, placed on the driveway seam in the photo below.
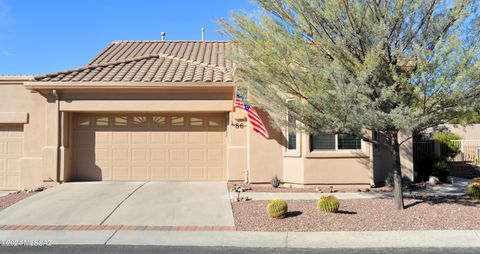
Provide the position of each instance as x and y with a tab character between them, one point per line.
121	202
110	238
286	241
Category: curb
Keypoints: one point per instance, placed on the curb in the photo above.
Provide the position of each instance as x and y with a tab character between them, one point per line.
331	240
113	227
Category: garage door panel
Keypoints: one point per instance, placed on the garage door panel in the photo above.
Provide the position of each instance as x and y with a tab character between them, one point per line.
14	148
197	172
215	155
140	172
102	155
158	138
177	155
215	138
103	138
12	180
120	155
121	138
197	138
158	173
120	173
139	155
158	155
177	172
177	138
139	138
13	164
215	172
152	147
196	155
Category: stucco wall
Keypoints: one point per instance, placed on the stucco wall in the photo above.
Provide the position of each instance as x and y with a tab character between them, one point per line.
383	163
265	154
471	131
47	135
16	99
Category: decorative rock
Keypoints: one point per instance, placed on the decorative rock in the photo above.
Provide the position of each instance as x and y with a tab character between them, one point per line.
433	180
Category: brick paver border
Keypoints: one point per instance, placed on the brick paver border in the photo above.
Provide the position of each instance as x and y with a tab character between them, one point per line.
114	227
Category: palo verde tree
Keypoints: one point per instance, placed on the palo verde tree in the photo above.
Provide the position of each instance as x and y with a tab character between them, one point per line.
353	67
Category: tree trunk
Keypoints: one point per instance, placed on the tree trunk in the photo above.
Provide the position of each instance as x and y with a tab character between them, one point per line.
397	169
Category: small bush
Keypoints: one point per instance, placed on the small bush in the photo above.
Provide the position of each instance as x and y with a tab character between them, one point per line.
277	209
441	170
473	189
406	181
449	149
275	182
329	204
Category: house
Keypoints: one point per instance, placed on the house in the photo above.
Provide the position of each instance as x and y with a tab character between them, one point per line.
161	111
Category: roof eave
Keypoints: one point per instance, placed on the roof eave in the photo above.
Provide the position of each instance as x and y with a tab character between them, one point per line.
15	79
36	85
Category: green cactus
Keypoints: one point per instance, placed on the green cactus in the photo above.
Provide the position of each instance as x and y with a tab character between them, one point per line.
277	209
329	204
473	189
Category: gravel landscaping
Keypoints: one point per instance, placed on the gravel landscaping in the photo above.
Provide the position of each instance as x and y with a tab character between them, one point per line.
324	189
13	198
363	215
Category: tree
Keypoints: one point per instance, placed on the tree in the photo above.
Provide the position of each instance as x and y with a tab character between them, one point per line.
354	67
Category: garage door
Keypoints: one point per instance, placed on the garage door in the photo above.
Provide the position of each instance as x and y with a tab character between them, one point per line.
11	150
149	147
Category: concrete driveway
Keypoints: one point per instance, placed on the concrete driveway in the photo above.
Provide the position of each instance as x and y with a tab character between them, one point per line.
125	203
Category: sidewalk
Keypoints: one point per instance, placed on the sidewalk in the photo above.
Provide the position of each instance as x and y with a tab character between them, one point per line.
344	239
457	188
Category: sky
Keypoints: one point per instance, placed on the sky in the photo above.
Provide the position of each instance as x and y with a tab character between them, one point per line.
52	35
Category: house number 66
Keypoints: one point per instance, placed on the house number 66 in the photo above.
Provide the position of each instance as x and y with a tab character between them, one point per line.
239	125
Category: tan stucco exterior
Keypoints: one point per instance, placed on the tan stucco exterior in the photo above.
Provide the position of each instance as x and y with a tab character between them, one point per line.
46	115
41	142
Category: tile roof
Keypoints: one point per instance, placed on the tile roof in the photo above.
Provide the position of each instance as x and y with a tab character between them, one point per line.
153	61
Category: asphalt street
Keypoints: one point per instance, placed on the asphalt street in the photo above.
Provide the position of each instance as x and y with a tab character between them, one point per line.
85	249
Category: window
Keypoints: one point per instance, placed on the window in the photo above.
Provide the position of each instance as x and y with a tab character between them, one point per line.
121	121
215	122
178	120
159	121
196	121
323	142
83	121
291	130
101	121
348	142
139	121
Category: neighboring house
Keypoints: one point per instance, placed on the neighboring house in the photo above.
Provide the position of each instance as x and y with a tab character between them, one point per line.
161	111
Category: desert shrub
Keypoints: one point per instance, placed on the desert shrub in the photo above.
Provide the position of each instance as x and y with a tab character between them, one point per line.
329	204
441	170
275	182
277	209
473	189
406	181
449	148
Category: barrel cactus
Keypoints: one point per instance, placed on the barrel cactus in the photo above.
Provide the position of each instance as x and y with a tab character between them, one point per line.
277	209
329	204
473	189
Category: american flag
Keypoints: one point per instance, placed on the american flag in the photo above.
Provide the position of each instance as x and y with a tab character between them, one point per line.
239	102
252	114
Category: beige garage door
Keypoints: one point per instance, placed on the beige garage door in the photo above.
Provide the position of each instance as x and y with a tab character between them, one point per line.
149	147
11	150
